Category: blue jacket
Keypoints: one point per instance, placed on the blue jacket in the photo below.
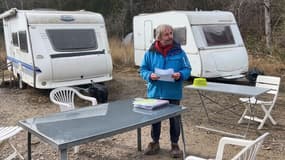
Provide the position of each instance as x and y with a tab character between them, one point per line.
176	59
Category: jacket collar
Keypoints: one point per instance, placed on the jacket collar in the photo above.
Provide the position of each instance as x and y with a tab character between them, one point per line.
174	50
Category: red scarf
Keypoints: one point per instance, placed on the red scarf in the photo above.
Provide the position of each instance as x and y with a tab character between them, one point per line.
162	49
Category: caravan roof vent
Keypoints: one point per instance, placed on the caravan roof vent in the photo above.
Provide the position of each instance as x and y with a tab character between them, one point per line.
66	18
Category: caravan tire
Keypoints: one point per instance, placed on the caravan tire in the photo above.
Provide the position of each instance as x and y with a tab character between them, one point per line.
99	91
252	75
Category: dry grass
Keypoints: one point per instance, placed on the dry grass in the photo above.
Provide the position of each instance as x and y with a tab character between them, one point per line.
2	56
121	55
2	50
270	65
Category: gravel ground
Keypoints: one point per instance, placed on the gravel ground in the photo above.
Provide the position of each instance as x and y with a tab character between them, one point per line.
17	104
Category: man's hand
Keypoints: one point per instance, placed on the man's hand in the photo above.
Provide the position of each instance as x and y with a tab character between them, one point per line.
154	76
176	75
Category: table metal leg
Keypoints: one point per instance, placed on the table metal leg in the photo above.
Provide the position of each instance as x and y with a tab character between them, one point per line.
212	129
203	104
220	131
29	146
63	154
183	137
139	135
251	115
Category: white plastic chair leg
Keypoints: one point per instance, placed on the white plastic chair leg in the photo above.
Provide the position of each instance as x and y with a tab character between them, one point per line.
11	156
266	116
14	154
267	113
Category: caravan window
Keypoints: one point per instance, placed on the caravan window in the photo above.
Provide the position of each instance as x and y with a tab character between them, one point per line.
218	35
72	39
15	39
180	35
23	41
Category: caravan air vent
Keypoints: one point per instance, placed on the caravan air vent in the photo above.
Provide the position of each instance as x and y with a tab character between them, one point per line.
225	21
66	18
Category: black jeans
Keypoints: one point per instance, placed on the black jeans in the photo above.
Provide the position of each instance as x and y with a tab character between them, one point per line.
174	127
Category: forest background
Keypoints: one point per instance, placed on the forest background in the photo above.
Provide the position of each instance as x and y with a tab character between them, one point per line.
262	23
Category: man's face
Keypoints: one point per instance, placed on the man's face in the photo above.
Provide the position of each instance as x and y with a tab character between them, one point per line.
166	37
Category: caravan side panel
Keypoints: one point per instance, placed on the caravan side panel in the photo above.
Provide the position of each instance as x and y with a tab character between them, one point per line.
139	39
61	48
19	54
144	28
220	45
65	68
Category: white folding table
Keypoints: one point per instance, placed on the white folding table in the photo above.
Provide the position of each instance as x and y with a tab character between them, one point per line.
242	90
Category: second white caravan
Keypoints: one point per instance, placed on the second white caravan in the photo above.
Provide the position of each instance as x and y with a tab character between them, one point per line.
50	49
211	39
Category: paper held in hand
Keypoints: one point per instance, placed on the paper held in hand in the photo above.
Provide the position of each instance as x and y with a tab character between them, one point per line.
164	74
148	103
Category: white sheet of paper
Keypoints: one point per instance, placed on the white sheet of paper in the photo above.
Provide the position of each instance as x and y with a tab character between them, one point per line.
164	74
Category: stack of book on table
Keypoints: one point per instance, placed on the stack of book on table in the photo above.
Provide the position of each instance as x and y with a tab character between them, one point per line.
150	104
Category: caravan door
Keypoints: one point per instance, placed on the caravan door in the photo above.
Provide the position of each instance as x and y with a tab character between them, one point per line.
148	34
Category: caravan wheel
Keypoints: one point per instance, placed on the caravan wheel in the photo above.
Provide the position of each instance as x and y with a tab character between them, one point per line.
99	91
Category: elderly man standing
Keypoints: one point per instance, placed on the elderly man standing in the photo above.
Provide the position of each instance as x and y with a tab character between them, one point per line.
164	54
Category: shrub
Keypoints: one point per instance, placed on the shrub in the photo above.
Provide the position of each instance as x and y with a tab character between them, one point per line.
122	55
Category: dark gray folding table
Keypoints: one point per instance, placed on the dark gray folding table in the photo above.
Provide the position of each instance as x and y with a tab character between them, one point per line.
242	90
66	129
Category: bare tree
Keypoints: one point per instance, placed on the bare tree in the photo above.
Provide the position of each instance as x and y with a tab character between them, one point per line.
21	4
267	23
131	7
238	9
181	4
6	4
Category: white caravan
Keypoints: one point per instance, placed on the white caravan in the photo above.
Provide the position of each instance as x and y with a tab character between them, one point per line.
211	39
50	49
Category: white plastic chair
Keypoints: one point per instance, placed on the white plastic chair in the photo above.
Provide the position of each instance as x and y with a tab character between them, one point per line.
64	97
247	153
271	83
5	134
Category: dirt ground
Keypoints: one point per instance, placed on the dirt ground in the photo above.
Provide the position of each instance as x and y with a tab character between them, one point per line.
17	104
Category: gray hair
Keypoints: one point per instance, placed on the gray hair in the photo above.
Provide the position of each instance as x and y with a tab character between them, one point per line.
160	29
